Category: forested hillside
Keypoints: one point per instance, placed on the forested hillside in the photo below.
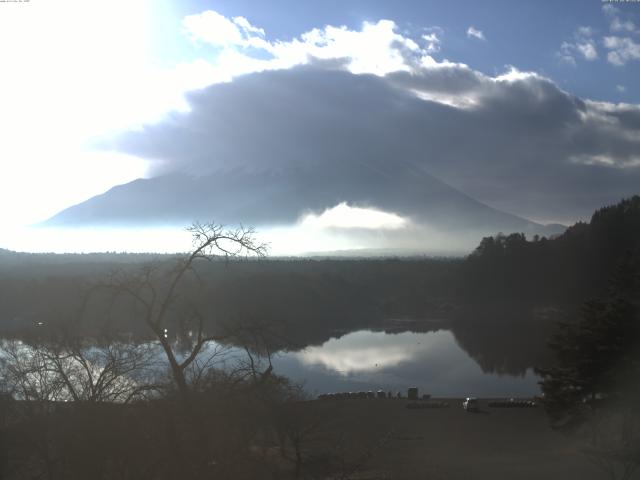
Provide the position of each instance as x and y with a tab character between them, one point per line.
569	268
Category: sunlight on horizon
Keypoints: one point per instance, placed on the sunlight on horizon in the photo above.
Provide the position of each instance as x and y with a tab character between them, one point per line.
283	241
96	240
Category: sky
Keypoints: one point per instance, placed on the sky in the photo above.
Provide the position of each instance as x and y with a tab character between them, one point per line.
530	107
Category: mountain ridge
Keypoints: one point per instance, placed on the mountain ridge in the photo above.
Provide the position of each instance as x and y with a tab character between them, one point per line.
283	197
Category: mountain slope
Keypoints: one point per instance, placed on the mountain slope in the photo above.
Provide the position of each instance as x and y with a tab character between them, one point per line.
282	197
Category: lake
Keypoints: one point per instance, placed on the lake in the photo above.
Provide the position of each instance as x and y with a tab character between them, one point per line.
371	360
455	360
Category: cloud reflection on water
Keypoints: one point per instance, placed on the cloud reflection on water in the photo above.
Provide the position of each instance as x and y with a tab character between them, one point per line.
366	351
367	360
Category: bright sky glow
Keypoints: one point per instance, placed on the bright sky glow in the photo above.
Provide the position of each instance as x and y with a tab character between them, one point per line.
90	240
66	78
293	240
73	70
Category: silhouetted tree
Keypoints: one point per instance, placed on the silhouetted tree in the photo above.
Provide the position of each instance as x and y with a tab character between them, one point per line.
593	388
68	369
155	291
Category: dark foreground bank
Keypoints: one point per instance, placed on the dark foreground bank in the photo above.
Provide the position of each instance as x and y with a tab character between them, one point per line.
395	442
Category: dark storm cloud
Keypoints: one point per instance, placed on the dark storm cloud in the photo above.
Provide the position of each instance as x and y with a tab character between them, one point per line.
282	119
517	141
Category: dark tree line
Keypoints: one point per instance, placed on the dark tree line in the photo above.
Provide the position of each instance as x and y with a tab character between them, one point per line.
307	297
567	269
593	388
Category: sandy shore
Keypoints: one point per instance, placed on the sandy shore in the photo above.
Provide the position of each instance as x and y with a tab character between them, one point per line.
449	443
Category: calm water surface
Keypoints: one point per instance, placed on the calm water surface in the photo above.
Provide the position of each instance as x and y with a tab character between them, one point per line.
372	360
367	360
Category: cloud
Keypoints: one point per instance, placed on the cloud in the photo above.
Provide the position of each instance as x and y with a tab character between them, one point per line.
604	160
215	29
621	50
360	116
475	33
585	31
587	50
432	37
376	48
616	23
514	140
346	216
566	53
582	46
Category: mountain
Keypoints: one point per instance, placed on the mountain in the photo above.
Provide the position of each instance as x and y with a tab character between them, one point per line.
281	197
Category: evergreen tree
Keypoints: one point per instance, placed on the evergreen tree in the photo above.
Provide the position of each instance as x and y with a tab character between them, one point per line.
593	360
593	390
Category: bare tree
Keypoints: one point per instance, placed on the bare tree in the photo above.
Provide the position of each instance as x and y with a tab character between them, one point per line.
27	373
156	293
63	386
72	369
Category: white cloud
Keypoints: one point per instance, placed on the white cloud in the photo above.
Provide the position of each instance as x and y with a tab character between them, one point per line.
433	42
376	48
583	46
588	50
213	28
606	161
243	23
622	50
617	24
475	33
217	30
621	88
585	31
345	216
566	53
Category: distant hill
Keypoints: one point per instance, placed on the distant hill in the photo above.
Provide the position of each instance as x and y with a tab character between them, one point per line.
282	197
